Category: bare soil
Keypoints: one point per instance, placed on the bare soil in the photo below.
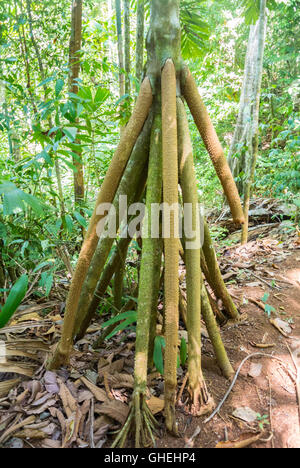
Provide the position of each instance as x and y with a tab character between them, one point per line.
273	392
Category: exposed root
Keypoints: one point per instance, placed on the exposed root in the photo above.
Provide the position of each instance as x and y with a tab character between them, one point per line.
60	357
200	401
140	421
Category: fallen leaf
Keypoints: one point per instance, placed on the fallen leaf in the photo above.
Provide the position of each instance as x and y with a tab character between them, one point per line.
42	408
98	393
20	368
7	385
14	428
262	345
50	381
156	405
282	326
243	441
115	409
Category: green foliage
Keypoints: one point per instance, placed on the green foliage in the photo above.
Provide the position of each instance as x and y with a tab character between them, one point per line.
195	30
14	299
158	353
183	352
263	420
158	356
124	319
15	199
268	308
252	8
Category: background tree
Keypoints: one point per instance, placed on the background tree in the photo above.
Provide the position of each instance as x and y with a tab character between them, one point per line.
244	146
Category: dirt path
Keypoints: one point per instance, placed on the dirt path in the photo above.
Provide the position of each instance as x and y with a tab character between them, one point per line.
272	394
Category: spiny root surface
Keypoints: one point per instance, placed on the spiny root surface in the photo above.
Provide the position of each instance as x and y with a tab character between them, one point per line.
200	400
141	422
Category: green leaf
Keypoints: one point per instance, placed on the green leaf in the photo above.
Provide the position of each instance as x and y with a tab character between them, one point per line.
69	223
183	351
47	80
158	359
119	317
14	198
70	132
269	309
43	264
46	281
80	219
58	87
122	326
265	297
101	95
33	202
15	297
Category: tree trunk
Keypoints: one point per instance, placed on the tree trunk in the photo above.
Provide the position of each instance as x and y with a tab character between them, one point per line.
120	48
140	40
244	146
74	66
127	45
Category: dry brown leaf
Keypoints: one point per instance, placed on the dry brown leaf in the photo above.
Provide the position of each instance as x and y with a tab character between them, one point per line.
111	368
69	403
281	326
121	381
56	413
7	385
156	405
31	434
33	316
20	368
98	393
242	442
15	427
115	409
50	331
49	443
42	408
72	427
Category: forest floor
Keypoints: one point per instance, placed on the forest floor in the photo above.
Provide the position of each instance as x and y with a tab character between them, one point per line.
81	406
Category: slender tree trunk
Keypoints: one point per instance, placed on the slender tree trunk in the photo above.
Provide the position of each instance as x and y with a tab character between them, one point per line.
120	48
140	40
250	163
127	45
25	55
243	150
74	66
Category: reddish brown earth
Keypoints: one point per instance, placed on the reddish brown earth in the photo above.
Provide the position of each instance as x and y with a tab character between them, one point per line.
273	393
